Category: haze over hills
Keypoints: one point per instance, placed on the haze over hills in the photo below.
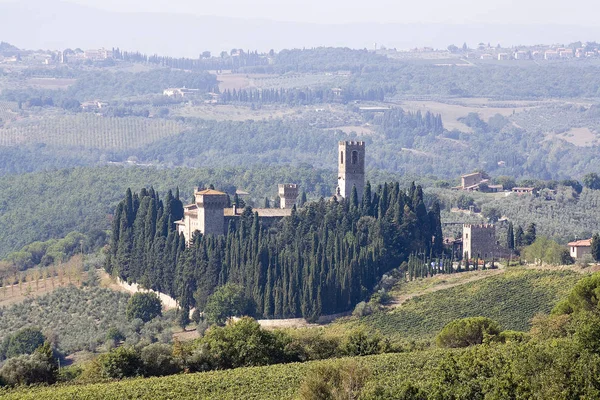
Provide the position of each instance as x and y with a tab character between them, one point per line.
58	24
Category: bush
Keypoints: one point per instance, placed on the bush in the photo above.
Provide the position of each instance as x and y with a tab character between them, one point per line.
28	370
120	363
337	381
243	343
467	332
362	309
145	306
158	360
25	341
227	301
360	343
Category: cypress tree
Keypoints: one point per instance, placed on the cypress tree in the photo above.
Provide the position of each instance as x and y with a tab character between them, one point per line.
510	237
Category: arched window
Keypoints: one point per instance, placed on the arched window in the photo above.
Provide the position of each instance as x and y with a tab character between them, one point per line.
341	157
355	157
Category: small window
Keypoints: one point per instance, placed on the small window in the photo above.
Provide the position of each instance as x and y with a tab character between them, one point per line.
341	157
355	157
467	235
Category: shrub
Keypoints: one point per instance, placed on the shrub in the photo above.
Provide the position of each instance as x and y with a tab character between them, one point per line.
28	370
243	343
360	343
144	306
120	363
227	301
25	341
362	309
336	381
158	360
467	332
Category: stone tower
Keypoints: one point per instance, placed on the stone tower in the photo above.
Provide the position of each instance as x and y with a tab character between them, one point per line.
480	241
288	194
211	205
351	168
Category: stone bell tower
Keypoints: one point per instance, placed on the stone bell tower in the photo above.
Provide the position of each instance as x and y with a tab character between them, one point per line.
351	168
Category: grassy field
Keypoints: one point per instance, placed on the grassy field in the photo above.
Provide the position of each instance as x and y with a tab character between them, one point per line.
88	130
274	382
511	298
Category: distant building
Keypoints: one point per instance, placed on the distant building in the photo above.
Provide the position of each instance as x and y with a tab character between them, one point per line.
487	57
180	92
580	248
551	55
503	56
521	55
93	105
97	55
523	190
566	53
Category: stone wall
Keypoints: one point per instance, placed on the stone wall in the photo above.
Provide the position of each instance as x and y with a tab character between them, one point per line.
167	301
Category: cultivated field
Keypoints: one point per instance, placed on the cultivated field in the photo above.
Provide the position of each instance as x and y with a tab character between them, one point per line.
88	130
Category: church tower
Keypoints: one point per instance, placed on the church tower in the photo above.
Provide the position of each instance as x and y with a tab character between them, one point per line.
351	169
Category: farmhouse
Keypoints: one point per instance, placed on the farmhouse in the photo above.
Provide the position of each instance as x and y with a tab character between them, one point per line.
476	182
523	190
580	248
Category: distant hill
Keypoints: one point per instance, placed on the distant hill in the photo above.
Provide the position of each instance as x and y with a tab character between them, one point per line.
54	24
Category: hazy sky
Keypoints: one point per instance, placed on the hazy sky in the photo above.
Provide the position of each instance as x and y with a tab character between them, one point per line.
585	12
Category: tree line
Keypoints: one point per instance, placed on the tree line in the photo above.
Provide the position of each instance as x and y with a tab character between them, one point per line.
302	96
323	259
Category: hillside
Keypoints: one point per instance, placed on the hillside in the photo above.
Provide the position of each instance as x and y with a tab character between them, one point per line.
511	298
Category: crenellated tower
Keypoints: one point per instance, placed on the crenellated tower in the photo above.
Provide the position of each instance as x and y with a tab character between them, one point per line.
351	168
288	194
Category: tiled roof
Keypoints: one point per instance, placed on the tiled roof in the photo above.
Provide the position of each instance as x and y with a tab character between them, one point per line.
581	243
210	192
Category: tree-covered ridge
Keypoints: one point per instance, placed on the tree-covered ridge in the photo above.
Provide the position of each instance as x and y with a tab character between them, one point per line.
323	259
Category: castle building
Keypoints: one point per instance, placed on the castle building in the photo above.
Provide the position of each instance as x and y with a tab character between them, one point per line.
351	169
480	241
211	215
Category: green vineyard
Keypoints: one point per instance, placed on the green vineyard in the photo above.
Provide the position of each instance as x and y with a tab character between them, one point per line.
88	130
511	298
276	382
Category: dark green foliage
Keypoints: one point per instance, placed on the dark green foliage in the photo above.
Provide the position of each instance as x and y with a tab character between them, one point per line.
361	343
596	247
510	237
242	343
322	259
227	301
145	306
467	332
530	235
24	341
122	362
158	360
591	181
29	370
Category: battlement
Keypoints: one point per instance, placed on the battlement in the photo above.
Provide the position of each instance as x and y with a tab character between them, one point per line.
479	226
352	143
